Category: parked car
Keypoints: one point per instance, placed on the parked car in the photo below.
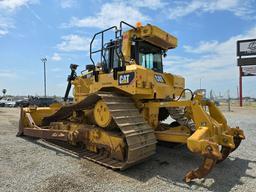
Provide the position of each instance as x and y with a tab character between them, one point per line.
7	102
10	103
2	103
22	102
42	101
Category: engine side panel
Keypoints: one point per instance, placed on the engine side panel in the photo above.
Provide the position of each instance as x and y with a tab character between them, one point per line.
136	80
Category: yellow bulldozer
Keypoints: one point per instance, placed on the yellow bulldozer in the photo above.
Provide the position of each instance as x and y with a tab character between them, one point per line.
121	102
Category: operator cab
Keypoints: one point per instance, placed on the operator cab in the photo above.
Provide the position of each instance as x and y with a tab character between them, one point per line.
147	55
149	45
144	53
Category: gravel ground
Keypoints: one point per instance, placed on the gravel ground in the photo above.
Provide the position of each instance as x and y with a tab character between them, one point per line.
30	165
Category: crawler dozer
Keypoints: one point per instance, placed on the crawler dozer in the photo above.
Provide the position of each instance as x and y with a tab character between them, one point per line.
121	102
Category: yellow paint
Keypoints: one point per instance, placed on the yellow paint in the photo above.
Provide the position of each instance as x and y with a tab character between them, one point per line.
143	86
211	129
177	135
101	114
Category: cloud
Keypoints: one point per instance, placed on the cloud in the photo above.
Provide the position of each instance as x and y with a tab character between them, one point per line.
73	42
214	54
56	69
213	61
12	5
110	14
7	74
241	8
216	49
149	4
67	3
34	13
56	57
5	25
203	47
7	9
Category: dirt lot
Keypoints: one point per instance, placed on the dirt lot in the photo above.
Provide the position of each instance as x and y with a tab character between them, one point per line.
30	165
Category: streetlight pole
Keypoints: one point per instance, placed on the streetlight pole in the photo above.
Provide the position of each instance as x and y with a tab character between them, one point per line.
44	60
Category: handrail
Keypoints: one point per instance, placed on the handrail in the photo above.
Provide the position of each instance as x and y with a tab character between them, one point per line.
117	38
102	39
121	26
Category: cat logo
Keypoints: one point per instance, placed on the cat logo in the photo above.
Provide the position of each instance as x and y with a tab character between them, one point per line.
126	78
159	79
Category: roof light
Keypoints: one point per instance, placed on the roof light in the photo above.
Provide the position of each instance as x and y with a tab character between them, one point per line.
138	24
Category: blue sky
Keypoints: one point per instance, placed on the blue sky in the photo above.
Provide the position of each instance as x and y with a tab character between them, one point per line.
61	31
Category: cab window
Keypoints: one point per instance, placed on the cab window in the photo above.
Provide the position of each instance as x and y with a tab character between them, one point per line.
147	55
110	56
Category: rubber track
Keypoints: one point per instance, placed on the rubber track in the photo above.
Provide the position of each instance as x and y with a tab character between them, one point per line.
139	136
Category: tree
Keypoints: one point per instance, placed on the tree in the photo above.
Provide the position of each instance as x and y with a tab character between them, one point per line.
4	91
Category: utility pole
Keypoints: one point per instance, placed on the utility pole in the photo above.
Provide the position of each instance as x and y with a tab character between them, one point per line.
229	109
44	60
240	86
